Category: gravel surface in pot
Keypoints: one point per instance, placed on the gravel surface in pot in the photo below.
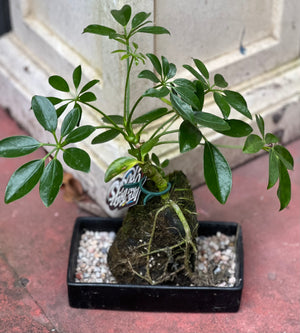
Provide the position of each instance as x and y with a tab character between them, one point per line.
215	262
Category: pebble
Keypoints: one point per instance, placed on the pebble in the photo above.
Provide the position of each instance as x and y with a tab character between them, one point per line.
216	254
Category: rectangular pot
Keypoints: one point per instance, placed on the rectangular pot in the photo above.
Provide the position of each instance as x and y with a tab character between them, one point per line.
153	298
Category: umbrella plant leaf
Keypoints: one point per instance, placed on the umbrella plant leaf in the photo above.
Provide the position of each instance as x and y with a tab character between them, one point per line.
285	156
271	138
261	124
80	133
87	97
172	71
273	169
238	128
105	136
146	74
99	30
155	62
217	173
202	68
55	100
118	166
51	181
253	144
123	15
189	97
156	30
16	146
77	76
77	159
237	101
211	121
159	93
189	136
117	119
185	83
150	116
222	104
139	18
219	81
197	75
165	66
88	86
70	121
284	188
24	180
44	112
182	108
59	83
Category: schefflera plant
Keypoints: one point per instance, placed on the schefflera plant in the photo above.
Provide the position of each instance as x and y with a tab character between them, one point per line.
182	102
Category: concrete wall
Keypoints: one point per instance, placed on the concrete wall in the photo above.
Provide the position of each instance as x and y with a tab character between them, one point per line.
254	44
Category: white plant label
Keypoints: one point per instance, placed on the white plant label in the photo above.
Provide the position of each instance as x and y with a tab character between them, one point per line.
118	196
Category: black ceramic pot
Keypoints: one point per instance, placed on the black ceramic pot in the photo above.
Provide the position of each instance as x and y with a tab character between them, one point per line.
153	298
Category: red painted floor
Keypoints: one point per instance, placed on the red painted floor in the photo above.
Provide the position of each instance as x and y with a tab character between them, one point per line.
34	246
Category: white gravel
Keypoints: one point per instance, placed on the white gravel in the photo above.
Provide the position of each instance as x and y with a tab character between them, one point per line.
216	256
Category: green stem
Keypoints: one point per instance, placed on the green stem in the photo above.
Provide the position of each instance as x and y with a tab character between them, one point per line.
169	122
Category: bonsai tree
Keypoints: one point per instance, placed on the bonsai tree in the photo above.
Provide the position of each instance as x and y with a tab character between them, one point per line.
157	239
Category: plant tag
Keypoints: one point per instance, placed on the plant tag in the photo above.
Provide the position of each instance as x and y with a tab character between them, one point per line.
118	196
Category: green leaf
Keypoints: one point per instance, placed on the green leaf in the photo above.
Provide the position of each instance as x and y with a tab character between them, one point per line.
200	94
77	76
202	68
284	188
189	97
165	163
70	121
238	128
165	66
237	101
16	146
285	156
24	180
80	133
156	30
105	136
88	86
151	116
189	136
172	71
273	169
182	108
253	144
59	83
87	97
211	121
261	124
197	75
217	173
155	62
51	181
77	159
222	104
148	145
146	74
219	81
44	112
123	15
271	138
155	159
139	18
117	119
99	30
159	93
55	100
61	109
118	166
185	83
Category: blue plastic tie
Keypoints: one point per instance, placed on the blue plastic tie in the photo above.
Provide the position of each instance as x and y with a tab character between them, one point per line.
149	195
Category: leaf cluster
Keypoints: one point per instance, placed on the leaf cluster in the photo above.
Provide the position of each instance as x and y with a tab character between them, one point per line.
181	115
